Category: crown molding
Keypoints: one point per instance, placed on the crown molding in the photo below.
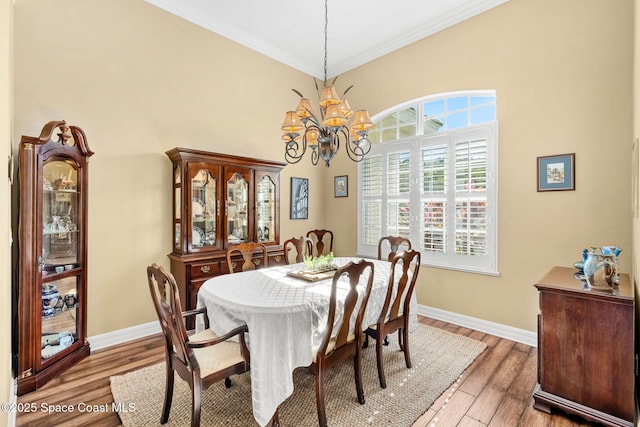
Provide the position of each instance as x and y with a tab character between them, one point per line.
211	23
437	24
196	16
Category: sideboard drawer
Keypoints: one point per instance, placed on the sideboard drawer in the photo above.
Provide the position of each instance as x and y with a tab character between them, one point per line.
277	259
205	269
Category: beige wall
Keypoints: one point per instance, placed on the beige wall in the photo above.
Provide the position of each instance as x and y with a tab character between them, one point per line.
562	72
140	81
6	109
636	135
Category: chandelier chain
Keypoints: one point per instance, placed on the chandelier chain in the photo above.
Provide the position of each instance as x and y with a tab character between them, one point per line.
326	25
323	133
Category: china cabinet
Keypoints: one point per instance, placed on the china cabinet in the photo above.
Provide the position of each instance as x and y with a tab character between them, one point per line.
220	200
585	349
52	263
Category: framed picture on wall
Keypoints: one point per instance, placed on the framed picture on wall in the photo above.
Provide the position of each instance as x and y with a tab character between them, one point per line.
341	186
299	198
557	173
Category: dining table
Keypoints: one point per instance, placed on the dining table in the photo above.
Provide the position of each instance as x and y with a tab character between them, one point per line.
286	317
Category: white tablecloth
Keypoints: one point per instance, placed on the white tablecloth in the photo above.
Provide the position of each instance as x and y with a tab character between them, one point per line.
286	316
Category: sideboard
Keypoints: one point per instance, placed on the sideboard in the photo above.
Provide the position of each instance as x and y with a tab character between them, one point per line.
585	349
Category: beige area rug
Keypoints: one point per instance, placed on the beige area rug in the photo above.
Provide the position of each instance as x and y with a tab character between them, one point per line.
439	358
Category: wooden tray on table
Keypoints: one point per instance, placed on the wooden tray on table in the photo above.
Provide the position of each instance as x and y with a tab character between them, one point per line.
313	276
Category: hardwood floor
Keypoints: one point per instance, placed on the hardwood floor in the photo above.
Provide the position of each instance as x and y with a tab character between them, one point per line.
494	391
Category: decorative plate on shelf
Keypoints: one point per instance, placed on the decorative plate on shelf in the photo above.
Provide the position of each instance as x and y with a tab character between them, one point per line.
197	208
197	236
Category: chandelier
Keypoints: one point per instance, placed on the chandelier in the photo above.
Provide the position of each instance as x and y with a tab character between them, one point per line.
336	124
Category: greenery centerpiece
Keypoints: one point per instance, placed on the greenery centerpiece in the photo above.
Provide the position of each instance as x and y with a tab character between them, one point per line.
319	264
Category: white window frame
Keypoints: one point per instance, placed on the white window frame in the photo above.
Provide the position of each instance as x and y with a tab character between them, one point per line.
487	264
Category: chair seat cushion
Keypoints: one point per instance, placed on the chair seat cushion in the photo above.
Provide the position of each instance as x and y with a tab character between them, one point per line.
215	357
332	344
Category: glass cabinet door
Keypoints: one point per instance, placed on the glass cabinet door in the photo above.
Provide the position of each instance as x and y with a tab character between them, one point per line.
59	217
59	260
204	208
265	209
237	205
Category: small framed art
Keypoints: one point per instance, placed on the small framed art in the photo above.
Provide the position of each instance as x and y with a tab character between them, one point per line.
299	198
341	186
557	173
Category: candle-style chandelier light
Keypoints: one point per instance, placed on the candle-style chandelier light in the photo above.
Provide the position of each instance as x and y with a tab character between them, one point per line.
325	132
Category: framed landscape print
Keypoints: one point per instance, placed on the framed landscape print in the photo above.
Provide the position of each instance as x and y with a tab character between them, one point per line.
299	198
557	173
341	186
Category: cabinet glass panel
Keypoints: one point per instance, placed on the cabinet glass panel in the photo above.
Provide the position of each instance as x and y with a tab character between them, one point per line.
177	208
177	199
265	196
59	217
59	319
237	201
203	209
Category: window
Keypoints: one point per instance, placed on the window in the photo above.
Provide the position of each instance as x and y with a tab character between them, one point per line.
431	177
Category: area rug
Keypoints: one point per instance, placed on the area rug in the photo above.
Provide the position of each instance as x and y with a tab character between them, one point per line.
439	358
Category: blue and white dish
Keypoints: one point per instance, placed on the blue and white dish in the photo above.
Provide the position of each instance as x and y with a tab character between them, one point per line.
197	236
197	208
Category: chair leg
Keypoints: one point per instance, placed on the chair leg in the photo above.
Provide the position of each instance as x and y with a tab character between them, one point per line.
275	420
168	395
407	354
196	398
357	370
380	362
227	382
322	413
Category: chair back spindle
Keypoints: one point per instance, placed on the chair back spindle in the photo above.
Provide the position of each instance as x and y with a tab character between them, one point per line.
250	252
298	246
391	245
322	241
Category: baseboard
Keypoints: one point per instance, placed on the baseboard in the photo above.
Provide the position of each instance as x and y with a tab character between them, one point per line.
13	401
120	336
497	329
98	342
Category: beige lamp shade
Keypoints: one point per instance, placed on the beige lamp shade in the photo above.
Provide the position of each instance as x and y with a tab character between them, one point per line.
346	109
355	136
329	97
362	121
312	136
333	117
305	110
292	123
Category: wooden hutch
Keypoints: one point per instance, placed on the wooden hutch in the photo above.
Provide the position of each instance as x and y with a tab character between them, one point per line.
220	200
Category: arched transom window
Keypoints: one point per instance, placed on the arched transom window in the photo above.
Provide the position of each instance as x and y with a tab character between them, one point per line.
431	176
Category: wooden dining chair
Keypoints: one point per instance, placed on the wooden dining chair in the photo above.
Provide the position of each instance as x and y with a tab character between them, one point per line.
322	241
394	315
298	247
248	250
391	245
200	359
338	346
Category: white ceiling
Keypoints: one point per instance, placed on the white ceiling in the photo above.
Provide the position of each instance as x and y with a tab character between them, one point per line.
292	31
